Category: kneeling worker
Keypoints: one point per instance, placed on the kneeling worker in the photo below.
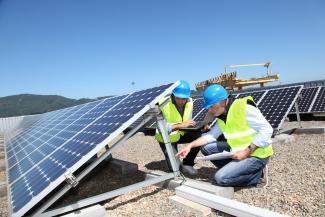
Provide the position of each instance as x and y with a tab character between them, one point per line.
247	133
178	114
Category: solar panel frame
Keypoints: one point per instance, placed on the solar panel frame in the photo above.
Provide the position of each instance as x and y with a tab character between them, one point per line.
99	146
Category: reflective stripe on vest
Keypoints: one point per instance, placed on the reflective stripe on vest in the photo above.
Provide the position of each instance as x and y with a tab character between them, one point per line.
239	134
172	116
237	131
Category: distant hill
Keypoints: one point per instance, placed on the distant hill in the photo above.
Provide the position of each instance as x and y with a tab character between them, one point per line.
29	104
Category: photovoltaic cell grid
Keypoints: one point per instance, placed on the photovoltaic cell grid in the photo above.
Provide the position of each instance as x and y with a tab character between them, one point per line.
26	122
198	110
274	104
305	100
22	139
39	158
17	142
257	95
319	104
277	103
39	144
312	100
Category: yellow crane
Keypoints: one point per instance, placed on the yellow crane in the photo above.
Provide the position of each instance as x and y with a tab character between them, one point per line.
231	82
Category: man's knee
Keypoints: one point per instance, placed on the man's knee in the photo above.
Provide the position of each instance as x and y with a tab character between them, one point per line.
204	151
222	179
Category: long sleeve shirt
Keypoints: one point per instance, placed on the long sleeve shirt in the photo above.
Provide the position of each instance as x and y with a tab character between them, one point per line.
256	121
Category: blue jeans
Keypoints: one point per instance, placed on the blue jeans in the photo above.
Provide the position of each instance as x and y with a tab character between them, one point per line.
231	172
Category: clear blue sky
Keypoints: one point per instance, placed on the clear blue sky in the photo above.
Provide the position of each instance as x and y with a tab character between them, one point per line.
90	48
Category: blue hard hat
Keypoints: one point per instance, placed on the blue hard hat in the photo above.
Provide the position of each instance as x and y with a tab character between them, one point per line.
214	94
183	90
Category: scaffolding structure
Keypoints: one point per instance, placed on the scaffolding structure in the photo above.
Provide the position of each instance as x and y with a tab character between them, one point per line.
230	81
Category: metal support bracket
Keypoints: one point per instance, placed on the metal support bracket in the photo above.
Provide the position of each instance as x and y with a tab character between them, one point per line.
297	114
71	179
175	162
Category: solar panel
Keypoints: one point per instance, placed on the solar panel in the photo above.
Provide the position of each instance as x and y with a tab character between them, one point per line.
17	124
39	158
197	106
47	138
199	111
277	103
306	84
305	100
319	104
274	104
257	95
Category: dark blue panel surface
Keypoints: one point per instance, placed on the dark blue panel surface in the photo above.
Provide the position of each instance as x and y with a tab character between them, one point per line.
319	104
52	148
197	106
199	112
277	103
22	140
306	98
48	139
256	95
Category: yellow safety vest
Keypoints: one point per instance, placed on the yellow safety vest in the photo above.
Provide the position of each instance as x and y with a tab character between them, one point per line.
172	116
237	131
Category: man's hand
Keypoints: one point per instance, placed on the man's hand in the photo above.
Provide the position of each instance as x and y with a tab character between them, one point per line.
205	127
184	151
241	155
188	123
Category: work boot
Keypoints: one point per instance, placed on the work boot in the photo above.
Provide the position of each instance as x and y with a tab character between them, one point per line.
263	182
189	170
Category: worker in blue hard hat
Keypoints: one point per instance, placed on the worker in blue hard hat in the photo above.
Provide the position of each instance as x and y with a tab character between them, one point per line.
247	135
178	114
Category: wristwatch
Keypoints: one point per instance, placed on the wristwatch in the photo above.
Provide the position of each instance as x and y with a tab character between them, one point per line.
251	148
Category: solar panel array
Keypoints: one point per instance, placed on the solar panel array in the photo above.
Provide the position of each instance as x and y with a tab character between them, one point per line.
11	124
319	103
62	141
305	99
274	104
257	95
312	100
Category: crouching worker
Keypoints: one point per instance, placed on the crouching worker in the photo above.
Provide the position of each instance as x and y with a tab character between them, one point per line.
247	134
178	114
